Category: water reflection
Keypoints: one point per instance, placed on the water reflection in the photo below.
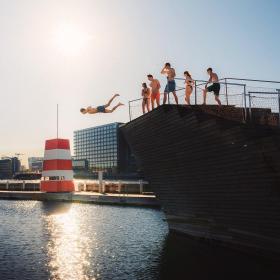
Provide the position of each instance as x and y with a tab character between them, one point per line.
55	207
62	241
67	248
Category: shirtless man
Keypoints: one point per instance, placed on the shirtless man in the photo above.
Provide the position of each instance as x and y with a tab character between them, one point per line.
155	86
103	108
215	87
171	85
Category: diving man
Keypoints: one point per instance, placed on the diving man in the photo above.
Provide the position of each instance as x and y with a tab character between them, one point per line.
103	108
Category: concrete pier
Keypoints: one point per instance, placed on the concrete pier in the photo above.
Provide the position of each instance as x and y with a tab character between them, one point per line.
84	197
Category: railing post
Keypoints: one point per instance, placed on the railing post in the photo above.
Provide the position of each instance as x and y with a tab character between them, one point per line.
250	106
226	91
129	109
278	107
141	186
245	103
195	93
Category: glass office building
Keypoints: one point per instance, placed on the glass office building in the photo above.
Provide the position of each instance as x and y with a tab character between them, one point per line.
9	167
35	164
103	147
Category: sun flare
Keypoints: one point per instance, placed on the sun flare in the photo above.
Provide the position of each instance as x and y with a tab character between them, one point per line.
70	39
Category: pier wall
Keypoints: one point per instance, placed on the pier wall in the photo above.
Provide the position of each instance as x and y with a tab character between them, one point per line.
216	178
84	197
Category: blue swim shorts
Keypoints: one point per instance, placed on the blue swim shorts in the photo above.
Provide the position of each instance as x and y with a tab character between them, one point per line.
101	109
170	87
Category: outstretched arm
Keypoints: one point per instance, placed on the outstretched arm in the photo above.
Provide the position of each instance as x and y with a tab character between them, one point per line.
209	81
163	71
158	85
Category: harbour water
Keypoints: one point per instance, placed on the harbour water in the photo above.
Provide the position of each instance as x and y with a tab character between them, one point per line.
78	241
48	240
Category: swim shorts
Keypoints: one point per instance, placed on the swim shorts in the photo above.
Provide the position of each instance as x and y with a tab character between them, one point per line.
215	88
155	96
170	87
101	109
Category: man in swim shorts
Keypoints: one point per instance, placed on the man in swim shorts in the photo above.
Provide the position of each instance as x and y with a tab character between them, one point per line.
155	86
215	87
103	108
171	85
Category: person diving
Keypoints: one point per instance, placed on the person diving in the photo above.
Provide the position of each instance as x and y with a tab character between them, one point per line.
102	108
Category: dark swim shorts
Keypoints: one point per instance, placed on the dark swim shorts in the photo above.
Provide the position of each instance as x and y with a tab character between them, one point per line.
215	88
101	109
170	87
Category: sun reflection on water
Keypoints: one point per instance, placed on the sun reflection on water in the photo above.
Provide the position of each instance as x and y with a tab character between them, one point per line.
68	248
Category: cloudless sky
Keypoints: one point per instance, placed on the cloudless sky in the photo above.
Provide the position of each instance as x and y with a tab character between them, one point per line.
115	44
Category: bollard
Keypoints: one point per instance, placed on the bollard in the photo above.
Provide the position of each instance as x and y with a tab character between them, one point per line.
119	187
100	178
103	187
141	186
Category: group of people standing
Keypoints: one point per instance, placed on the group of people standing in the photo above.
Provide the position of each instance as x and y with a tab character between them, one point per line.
151	94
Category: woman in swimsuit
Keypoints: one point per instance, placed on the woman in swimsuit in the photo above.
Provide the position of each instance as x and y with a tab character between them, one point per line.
189	86
146	93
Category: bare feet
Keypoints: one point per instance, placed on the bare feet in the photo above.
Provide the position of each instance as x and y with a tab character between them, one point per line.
116	95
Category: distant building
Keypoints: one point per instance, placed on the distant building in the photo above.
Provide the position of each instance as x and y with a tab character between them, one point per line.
80	164
35	164
9	167
105	149
80	167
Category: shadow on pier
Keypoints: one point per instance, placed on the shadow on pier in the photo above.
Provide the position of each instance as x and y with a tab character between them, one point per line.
186	258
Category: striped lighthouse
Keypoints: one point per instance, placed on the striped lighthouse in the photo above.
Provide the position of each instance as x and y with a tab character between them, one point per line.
57	175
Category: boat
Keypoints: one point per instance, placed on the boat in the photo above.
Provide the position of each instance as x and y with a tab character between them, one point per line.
215	170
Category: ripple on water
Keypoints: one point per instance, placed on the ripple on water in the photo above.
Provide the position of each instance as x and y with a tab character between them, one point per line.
42	240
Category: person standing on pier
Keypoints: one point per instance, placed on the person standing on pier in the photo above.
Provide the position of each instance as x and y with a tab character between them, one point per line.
215	87
146	94
189	86
171	85
155	87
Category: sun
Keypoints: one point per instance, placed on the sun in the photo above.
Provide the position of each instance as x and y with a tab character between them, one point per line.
70	39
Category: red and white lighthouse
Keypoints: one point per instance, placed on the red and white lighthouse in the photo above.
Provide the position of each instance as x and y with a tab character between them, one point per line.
57	175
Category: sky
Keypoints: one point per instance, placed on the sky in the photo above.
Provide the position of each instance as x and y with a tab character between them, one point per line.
78	53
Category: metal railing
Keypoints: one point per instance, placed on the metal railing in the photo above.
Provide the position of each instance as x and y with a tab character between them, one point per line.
248	94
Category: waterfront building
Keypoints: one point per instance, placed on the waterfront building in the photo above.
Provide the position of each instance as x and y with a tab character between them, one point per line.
80	167
106	150
80	164
9	167
35	164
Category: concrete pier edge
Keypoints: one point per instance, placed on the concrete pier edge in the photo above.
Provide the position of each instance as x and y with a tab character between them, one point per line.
84	197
